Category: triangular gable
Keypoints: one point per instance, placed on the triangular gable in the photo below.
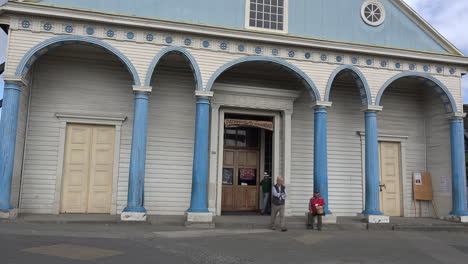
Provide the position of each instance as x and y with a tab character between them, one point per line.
335	20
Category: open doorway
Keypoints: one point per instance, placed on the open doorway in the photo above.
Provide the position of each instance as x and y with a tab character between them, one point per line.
247	156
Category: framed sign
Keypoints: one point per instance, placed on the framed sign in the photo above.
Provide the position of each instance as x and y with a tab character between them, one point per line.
422	186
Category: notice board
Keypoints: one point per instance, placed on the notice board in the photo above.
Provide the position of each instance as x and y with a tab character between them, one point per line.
422	186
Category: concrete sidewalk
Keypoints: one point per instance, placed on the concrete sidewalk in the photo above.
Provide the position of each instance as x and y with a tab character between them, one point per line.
167	223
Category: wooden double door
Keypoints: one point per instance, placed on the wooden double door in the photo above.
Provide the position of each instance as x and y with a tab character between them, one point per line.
240	180
88	169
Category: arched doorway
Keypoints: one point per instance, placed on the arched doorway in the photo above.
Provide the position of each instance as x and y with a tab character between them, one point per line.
414	117
174	77
349	93
274	96
75	119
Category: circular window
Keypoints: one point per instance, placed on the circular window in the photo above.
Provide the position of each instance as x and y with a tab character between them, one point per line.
373	12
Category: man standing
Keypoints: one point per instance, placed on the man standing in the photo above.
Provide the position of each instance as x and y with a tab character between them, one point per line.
278	201
266	190
316	204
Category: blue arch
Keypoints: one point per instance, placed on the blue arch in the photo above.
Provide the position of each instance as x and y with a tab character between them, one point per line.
437	86
40	49
311	88
358	77
192	63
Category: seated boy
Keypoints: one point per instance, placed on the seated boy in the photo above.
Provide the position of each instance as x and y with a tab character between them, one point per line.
316	205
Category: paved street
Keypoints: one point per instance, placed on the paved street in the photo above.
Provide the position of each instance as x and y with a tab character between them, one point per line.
51	244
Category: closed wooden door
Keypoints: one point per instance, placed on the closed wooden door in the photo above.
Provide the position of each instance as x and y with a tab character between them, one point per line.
390	178
240	180
88	169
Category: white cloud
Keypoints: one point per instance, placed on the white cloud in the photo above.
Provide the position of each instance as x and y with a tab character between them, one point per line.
450	18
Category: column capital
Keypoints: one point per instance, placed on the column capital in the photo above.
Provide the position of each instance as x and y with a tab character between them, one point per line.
15	79
203	94
372	108
457	115
321	104
142	89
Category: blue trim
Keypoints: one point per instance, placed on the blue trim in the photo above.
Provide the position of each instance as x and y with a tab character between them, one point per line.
320	155
41	48
199	200
457	141
450	106
364	84
372	204
136	178
8	126
312	89
186	53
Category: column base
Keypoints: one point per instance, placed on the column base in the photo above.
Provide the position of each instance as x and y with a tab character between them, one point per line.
457	218
9	214
329	219
193	219
133	216
378	219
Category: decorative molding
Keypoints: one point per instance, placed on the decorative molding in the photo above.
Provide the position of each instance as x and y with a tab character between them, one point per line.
358	77
239	46
372	108
243	35
203	94
260	98
142	89
457	115
450	104
85	118
15	79
321	104
40	49
308	83
186	54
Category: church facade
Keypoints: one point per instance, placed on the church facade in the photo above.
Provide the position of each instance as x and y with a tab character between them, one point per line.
180	107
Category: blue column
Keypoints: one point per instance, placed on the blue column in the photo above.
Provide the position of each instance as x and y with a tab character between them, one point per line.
8	125
372	206
199	201
136	179
458	167
321	154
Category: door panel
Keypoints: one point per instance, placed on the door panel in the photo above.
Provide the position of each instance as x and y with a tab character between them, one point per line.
88	169
390	178
101	171
242	194
76	168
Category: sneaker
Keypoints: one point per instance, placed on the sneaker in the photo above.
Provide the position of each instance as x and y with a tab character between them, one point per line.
284	229
273	228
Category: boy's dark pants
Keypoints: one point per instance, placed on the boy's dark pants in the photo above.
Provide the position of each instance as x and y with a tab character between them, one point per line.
311	220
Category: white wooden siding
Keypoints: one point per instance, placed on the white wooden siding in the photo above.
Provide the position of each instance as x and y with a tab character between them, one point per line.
302	155
344	150
438	153
171	131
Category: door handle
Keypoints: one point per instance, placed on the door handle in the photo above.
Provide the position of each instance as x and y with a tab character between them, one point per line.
382	185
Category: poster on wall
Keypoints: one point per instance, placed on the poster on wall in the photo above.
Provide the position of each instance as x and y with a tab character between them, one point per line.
417	178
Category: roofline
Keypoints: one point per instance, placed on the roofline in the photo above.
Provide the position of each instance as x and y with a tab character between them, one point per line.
428	28
37	9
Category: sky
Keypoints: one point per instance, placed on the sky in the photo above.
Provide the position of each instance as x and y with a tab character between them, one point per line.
449	17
